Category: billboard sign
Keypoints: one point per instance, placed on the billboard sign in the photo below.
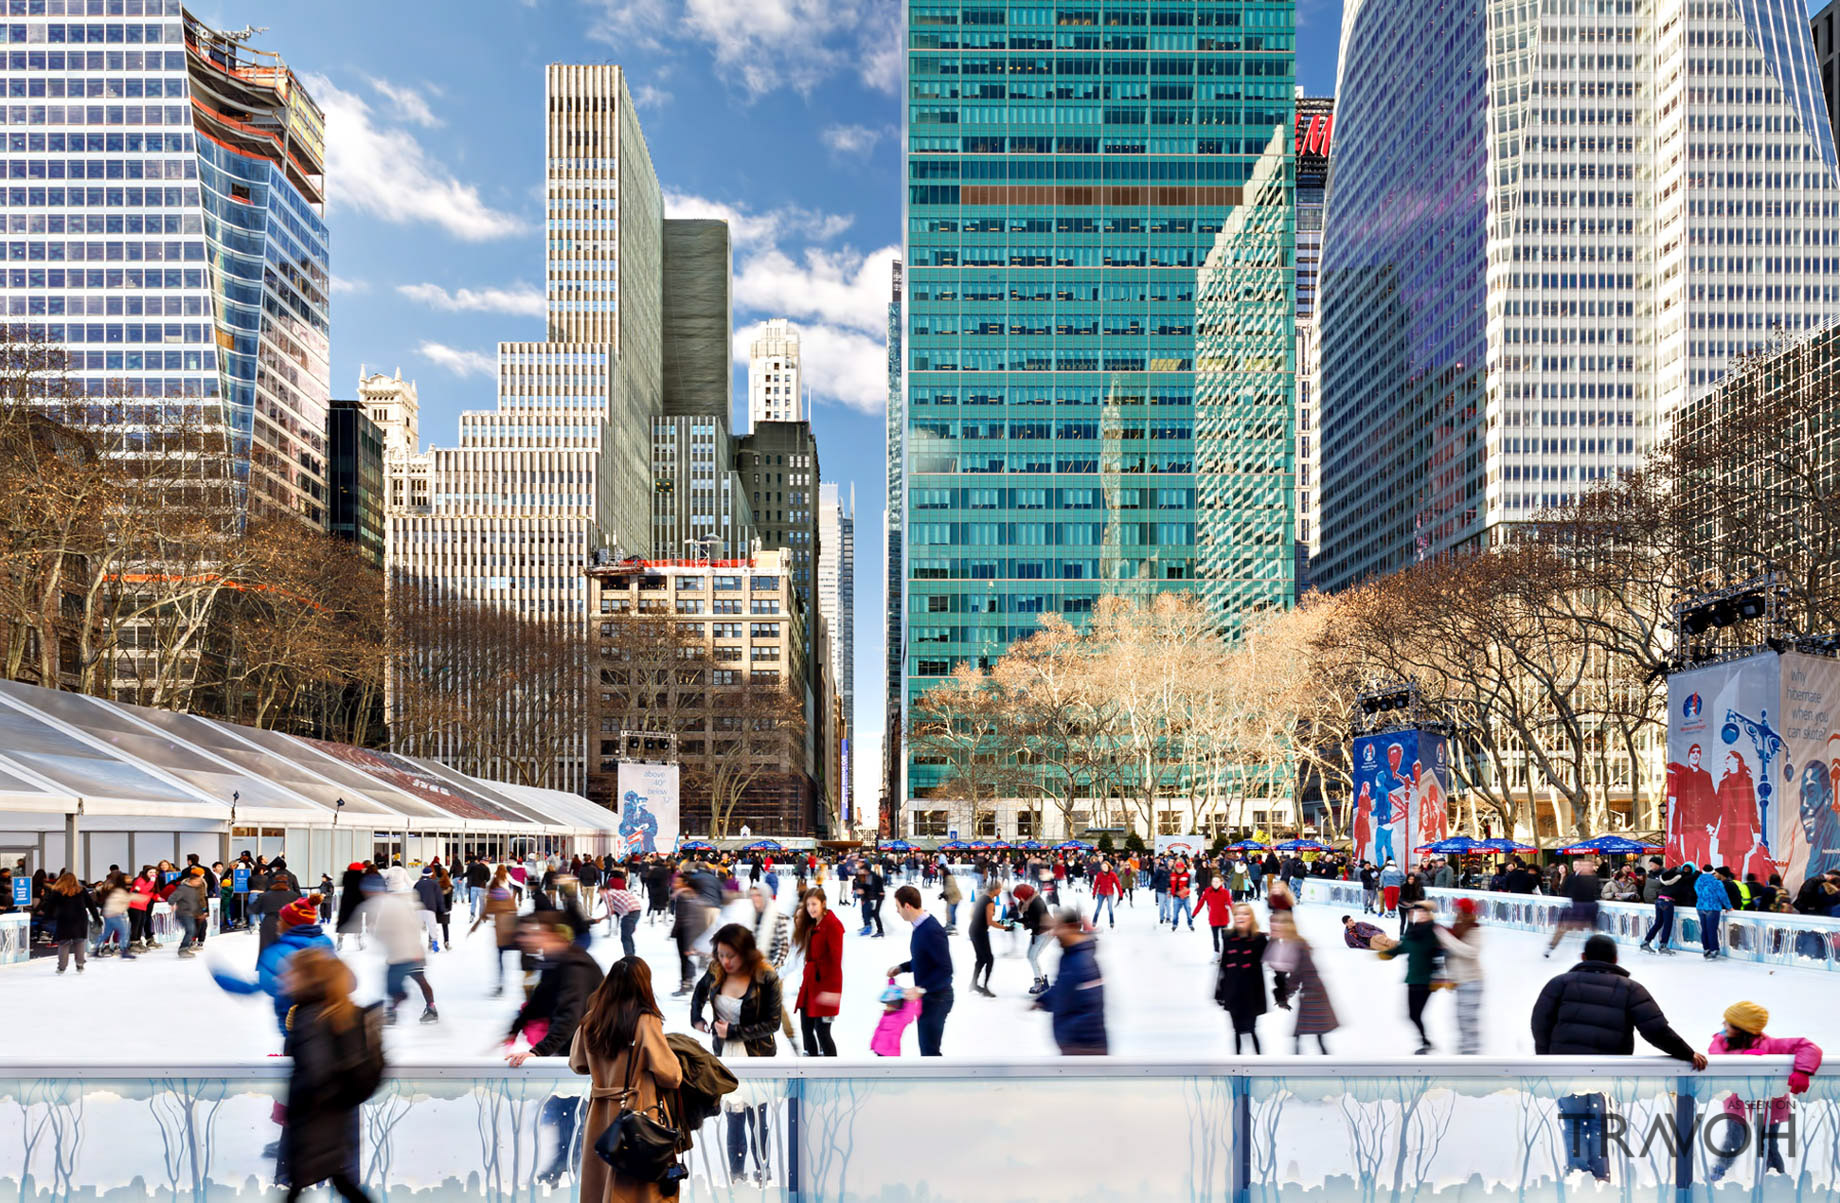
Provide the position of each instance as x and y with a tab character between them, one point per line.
1808	838
1383	796
647	805
1186	844
1726	766
1430	789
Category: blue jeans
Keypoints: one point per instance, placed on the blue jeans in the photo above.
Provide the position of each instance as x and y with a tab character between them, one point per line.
1162	905
1104	902
1663	924
951	914
116	925
1178	910
1709	930
931	1026
193	930
476	898
629	922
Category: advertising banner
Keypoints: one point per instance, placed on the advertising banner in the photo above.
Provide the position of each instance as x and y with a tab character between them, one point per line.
1430	790
1383	792
1187	844
1725	765
647	805
1808	837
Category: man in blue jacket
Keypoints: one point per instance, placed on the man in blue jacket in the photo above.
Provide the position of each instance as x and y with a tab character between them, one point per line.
298	927
930	961
1712	901
1077	997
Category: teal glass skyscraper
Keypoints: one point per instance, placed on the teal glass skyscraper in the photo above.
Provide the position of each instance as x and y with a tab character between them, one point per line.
1068	168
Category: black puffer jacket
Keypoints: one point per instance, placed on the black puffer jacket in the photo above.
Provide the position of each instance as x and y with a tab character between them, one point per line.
760	1014
1595	1009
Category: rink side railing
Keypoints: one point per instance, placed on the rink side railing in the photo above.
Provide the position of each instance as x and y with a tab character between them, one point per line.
1769	938
1251	1130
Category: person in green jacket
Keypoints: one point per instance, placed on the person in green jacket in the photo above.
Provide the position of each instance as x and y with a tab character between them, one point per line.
1418	944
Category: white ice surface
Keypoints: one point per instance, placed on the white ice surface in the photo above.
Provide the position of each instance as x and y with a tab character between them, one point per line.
1158	994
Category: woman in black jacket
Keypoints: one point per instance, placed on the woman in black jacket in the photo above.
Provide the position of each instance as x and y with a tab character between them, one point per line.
1240	986
335	1047
744	993
1411	891
69	907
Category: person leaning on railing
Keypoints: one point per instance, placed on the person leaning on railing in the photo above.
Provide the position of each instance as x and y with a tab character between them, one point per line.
1595	1009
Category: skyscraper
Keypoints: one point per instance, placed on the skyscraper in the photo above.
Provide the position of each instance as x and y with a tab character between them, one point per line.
1245	401
894	601
1056	221
563	467
837	602
1315	131
775	381
166	202
1516	297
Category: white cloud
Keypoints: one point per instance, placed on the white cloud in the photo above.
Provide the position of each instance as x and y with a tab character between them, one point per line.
523	300
748	229
410	104
458	361
343	285
650	96
850	139
387	173
844	289
769	44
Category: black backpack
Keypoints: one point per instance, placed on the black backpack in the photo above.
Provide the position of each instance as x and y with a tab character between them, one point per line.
361	1058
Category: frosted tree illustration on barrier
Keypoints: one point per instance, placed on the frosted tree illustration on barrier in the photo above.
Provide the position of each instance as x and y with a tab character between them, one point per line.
1266	1113
185	1109
1396	1122
827	1135
51	1123
387	1108
1209	1105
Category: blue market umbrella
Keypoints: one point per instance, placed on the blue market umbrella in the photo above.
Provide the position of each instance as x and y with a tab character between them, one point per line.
1301	846
1456	845
957	846
896	846
1029	845
763	846
1073	846
1502	845
1608	845
696	846
1248	846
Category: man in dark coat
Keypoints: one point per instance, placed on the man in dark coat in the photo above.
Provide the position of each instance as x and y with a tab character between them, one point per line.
1595	1009
1077	997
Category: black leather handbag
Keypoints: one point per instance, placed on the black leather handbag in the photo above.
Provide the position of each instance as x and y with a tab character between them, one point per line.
635	1144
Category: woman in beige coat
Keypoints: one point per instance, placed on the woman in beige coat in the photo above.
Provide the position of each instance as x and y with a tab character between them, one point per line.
623	1022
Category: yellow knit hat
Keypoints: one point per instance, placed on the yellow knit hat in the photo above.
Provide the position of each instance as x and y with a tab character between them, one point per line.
1747	1016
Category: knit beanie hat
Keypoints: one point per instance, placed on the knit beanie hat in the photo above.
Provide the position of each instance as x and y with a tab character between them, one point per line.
297	912
1747	1016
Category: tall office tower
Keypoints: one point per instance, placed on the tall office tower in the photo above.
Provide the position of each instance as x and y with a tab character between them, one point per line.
775	382
894	526
1514	300
1245	403
778	464
1315	127
563	467
180	256
1056	220
1825	24
837	603
354	479
699	507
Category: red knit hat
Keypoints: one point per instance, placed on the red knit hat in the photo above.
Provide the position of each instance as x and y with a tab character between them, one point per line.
297	912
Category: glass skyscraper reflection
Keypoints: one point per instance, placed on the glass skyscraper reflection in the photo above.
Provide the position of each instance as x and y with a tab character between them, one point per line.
163	207
1068	168
1549	226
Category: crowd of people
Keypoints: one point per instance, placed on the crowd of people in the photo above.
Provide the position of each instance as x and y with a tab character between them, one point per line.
760	981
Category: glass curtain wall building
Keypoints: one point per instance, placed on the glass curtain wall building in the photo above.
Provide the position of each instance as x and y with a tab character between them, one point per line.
1548	228
164	205
1067	169
1245	401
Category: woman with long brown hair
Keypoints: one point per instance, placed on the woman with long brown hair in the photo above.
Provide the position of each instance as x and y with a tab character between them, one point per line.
70	907
327	1037
817	933
743	991
620	1045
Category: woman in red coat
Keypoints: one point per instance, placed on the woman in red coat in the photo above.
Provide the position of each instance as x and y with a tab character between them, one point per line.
818	934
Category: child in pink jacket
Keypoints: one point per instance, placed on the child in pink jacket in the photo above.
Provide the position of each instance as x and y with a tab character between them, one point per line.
1744	1024
899	1008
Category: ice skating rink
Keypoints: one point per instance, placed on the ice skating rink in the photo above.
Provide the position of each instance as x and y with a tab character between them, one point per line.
1158	983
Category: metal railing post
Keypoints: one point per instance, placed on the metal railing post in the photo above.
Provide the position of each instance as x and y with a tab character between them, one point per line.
795	1098
1686	1128
1242	1137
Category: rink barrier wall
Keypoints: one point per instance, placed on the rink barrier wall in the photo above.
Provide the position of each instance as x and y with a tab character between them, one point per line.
1246	1130
1767	938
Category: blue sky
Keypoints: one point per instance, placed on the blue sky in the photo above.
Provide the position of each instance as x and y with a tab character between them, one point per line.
782	115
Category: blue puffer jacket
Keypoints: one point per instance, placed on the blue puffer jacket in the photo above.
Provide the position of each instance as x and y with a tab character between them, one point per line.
1709	893
269	966
1077	999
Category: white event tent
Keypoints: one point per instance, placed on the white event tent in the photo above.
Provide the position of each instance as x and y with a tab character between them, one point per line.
86	782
